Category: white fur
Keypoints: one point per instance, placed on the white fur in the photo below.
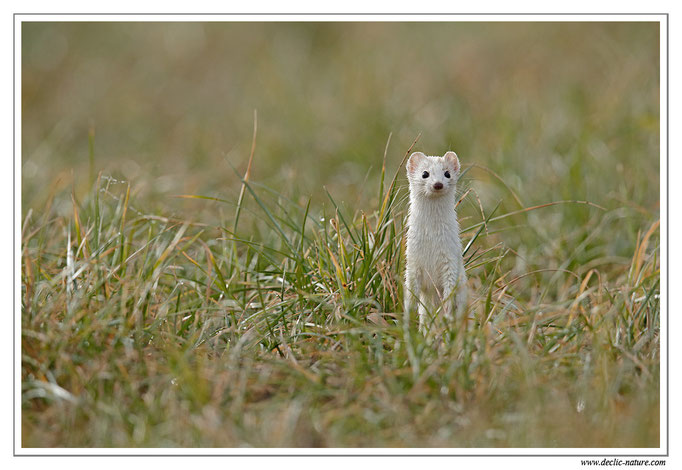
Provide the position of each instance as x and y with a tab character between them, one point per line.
434	276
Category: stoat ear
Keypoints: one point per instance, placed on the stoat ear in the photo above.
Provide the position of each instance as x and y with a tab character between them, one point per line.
413	162
451	157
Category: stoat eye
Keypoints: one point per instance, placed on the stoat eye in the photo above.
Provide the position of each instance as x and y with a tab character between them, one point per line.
447	174
425	174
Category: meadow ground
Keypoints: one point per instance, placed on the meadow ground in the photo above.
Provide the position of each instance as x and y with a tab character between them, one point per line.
173	297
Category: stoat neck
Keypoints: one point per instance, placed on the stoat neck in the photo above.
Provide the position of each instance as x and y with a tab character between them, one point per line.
442	208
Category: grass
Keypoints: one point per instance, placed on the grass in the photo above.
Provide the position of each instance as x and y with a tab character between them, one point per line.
149	331
268	314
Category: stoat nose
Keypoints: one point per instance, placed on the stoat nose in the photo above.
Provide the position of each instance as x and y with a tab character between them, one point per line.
438	185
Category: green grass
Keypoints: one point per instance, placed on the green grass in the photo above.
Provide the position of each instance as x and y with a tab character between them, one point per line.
161	332
266	308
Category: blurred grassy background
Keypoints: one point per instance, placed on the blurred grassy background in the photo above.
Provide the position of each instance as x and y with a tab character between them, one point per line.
563	348
172	105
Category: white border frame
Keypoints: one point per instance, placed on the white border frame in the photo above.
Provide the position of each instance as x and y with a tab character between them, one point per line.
593	453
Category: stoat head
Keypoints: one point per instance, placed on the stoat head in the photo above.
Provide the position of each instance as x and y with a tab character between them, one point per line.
432	176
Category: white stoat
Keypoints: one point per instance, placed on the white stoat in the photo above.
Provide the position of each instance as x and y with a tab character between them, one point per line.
434	274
